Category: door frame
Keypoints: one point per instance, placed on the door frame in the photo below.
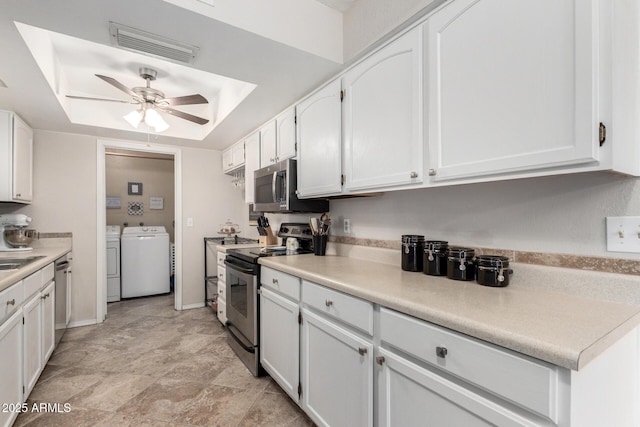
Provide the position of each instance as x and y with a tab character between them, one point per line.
101	217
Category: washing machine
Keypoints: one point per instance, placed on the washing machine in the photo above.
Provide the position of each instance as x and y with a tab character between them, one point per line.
144	261
113	263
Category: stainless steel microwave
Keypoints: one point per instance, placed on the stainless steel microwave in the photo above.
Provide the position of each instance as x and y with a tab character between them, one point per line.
275	190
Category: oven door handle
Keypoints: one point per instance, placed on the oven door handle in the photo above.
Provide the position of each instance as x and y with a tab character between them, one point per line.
237	267
236	339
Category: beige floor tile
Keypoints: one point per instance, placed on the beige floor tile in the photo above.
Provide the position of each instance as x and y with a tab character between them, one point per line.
202	368
218	406
51	371
112	392
125	420
62	388
77	417
237	375
271	409
162	399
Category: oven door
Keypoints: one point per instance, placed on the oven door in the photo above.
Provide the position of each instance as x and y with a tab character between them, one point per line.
242	300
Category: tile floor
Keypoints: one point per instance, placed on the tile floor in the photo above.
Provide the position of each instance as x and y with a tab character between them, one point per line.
149	365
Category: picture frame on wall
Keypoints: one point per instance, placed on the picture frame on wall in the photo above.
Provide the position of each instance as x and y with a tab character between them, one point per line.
135	189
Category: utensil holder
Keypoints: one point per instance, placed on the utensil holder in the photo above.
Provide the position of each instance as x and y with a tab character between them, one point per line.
320	244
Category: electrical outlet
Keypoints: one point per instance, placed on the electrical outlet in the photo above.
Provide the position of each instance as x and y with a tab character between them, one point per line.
189	222
347	226
623	234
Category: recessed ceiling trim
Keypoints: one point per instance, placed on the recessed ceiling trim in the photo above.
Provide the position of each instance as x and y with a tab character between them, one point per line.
140	41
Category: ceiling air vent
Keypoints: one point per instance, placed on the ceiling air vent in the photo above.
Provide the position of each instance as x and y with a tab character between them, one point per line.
151	44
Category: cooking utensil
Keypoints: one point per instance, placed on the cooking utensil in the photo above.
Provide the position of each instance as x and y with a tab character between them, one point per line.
313	224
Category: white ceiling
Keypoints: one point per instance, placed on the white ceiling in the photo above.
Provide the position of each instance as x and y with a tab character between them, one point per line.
277	62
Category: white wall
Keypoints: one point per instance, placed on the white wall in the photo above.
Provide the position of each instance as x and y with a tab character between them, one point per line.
367	21
65	173
557	214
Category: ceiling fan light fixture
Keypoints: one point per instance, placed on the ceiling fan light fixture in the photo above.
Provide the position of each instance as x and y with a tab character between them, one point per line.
134	118
155	120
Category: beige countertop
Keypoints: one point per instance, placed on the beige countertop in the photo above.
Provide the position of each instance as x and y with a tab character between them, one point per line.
50	254
562	329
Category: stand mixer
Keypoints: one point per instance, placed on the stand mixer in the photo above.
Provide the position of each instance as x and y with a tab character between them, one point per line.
10	222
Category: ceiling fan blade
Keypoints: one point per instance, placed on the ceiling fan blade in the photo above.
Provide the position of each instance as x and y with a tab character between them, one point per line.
100	99
185	100
113	82
183	115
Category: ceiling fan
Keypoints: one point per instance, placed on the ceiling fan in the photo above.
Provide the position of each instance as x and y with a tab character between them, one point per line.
150	100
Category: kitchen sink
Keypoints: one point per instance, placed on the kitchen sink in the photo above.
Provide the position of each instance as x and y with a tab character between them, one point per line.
16	263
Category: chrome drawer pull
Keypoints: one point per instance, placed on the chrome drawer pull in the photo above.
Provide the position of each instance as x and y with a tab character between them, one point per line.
274	281
380	360
441	352
11	302
362	351
328	303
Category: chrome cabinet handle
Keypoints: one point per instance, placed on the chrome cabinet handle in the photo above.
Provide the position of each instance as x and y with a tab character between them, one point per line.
362	351
328	303
274	281
414	174
11	302
380	360
432	172
441	352
221	291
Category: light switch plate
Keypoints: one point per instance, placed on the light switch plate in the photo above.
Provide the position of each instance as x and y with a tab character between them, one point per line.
623	234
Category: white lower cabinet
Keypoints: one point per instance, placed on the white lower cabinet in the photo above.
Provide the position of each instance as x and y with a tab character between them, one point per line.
337	379
11	352
32	342
410	395
280	339
48	299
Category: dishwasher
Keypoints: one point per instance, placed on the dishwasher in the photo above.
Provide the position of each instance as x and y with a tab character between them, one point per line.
63	295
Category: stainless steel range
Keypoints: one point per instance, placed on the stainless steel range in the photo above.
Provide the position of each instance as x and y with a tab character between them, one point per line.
243	282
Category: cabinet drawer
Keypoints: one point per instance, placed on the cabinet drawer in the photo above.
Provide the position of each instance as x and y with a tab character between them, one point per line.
351	310
10	299
222	311
32	284
221	257
47	273
222	290
528	382
281	282
222	274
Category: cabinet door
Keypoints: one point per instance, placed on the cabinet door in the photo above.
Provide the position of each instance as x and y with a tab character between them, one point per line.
251	163
48	301
227	159
286	135
32	342
237	154
11	351
382	116
22	160
222	310
511	86
337	374
268	144
280	340
410	395
319	143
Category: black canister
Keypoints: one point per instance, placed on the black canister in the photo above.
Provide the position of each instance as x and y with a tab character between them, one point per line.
435	258
412	249
460	264
493	270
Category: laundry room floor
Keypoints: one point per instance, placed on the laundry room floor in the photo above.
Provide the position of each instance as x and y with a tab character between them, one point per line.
149	365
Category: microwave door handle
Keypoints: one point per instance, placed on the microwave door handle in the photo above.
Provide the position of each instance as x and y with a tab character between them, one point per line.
273	186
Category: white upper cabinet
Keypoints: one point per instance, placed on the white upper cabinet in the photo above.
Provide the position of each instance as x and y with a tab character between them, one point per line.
268	144
286	135
511	86
319	142
382	116
233	157
16	148
251	163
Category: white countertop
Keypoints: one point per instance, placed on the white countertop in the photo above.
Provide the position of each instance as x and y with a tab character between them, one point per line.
50	253
562	329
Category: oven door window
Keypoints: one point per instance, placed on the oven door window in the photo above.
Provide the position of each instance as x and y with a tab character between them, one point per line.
242	302
238	293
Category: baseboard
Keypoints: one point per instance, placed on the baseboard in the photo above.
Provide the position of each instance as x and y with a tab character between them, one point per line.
190	306
82	323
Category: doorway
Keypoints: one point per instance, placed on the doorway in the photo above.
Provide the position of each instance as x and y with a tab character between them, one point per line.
135	152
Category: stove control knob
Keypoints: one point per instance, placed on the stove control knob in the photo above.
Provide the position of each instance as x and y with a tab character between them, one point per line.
285	230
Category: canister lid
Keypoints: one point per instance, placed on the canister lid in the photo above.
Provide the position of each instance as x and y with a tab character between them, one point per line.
435	245
461	253
412	238
493	261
